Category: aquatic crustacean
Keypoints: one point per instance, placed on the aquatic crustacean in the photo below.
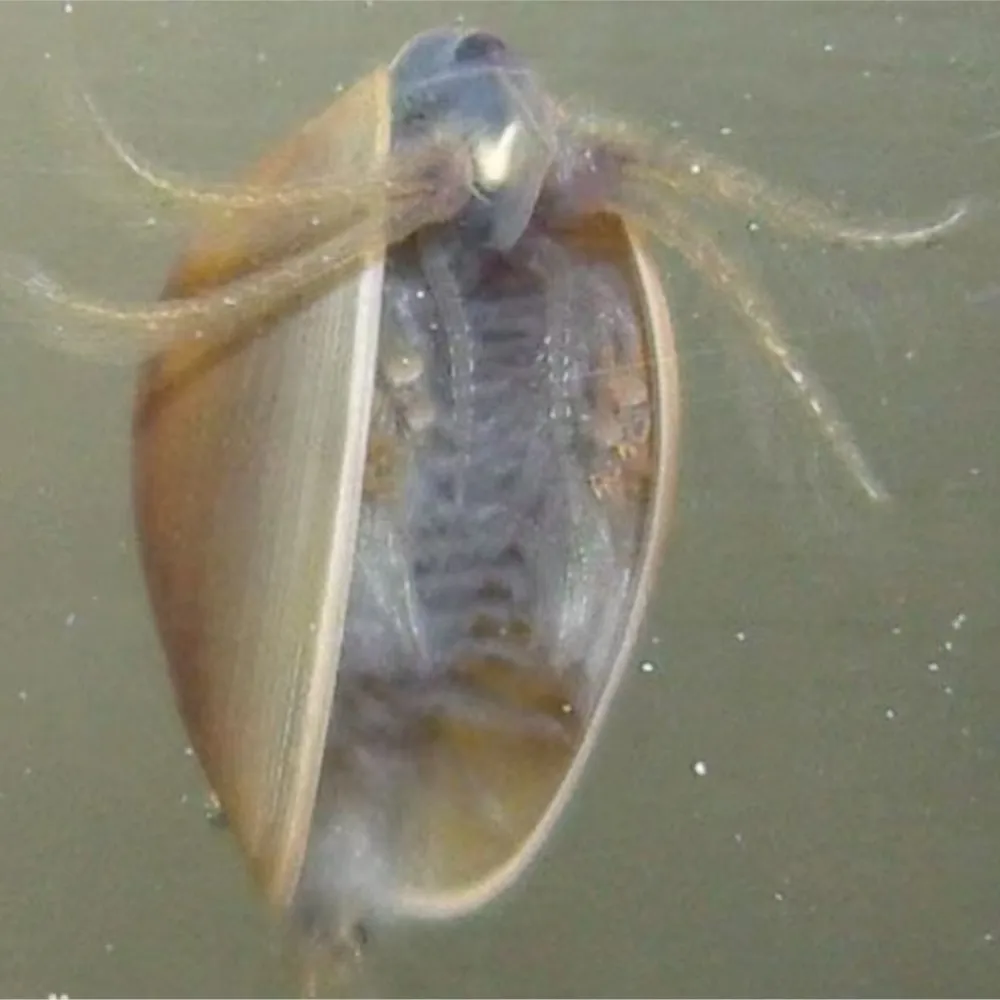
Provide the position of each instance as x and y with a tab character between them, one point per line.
405	451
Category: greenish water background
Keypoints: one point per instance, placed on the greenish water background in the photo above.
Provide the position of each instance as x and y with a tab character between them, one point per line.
834	669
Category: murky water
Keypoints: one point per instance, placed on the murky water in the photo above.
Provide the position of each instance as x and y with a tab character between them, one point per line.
802	796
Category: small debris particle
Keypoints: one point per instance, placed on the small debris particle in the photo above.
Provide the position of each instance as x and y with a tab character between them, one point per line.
214	812
700	768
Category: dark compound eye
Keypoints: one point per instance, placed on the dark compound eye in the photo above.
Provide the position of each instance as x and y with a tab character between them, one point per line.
478	45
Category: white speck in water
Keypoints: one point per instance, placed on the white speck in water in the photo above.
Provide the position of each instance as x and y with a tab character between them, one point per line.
899	19
228	300
338	89
109	947
676	124
948	689
58	996
646	666
151	221
989	937
184	798
696	169
753	227
741	636
910	355
46	55
747	96
421	293
725	130
867	74
948	645
315	221
189	751
67	8
828	47
27	772
738	837
261	56
566	708
656	640
958	621
779	896
896	630
890	713
700	768
70	619
975	471
933	667
22	695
